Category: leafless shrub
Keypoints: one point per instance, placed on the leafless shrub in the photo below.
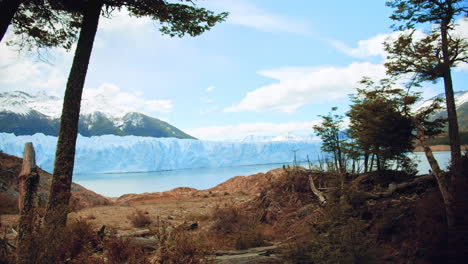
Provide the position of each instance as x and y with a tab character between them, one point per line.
139	219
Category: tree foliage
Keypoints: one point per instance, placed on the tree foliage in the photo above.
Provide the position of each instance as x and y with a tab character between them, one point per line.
414	12
332	138
408	55
39	24
433	56
378	121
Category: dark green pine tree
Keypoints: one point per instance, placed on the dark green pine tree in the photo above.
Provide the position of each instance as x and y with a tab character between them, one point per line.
433	56
177	19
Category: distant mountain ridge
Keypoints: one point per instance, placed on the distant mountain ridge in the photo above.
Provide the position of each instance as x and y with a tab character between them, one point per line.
461	101
25	114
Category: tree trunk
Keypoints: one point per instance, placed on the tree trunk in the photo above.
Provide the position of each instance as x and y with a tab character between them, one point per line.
8	9
378	162
366	162
57	208
29	179
447	195
454	136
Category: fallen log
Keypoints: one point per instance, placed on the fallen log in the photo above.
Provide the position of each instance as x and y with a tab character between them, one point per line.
399	187
317	193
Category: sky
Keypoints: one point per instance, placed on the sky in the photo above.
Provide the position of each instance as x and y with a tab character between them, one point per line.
271	68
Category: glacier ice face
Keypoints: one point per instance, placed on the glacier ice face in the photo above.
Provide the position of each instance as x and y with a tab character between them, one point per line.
106	154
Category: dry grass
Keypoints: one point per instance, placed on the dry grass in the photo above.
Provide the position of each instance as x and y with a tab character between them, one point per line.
124	251
139	219
237	227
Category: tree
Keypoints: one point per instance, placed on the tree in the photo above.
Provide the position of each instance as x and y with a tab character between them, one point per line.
379	125
332	138
433	56
176	19
8	9
425	129
39	24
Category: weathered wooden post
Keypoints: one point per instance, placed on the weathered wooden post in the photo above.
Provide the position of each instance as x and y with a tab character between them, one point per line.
28	181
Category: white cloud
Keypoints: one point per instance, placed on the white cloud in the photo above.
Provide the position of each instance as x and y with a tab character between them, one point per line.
242	130
297	86
122	21
461	30
245	13
109	98
24	71
210	89
373	46
206	100
366	48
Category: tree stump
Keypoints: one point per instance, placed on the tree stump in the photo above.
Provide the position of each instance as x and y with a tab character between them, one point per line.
28	181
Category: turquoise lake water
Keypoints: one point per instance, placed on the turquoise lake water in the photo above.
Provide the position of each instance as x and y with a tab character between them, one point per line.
116	184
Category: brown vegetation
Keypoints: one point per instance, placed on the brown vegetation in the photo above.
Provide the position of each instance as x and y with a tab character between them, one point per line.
9	171
180	226
139	219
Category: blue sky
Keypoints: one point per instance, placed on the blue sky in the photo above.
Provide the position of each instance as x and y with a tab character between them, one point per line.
271	68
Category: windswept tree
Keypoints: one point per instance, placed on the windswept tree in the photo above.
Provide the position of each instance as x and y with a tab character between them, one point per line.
433	56
332	138
176	19
378	124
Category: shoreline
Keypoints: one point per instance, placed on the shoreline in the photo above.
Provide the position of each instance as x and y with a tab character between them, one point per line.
439	148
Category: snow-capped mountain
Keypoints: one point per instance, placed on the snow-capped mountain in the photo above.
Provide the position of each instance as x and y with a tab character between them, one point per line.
461	98
25	114
461	101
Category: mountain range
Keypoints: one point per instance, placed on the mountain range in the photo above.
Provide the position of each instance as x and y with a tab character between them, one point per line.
461	101
25	114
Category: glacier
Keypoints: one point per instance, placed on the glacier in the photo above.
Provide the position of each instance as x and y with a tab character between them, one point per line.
114	154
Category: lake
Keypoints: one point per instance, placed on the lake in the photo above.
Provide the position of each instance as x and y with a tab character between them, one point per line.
116	184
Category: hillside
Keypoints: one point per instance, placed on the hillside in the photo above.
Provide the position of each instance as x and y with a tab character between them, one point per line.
25	114
274	217
10	167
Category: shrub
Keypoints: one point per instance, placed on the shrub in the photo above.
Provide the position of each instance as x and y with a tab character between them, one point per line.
179	245
185	248
73	244
124	251
249	239
139	219
338	236
237	226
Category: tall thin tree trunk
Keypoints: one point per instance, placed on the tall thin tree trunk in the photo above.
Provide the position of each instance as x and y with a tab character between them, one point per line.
57	208
444	189
378	163
8	9
366	162
454	136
